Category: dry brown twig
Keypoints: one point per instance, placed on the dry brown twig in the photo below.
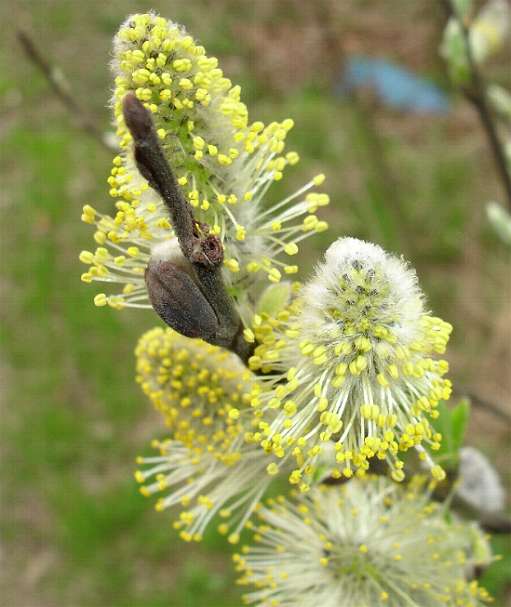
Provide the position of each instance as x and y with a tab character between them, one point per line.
475	93
193	300
58	82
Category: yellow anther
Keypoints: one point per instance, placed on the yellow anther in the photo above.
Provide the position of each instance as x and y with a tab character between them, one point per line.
272	469
100	300
291	249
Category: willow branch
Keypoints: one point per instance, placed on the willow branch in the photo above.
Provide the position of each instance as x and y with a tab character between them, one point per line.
57	81
496	523
475	93
204	251
485	405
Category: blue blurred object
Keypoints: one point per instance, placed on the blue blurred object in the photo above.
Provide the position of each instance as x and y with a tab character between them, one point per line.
396	87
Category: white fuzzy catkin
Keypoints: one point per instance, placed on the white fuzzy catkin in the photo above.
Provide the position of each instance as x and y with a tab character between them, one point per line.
351	361
369	543
224	165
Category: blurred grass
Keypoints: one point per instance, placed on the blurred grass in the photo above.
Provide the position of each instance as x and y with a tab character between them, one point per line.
76	531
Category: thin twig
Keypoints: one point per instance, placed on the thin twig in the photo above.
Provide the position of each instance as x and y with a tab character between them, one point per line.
486	405
203	251
60	86
475	93
496	523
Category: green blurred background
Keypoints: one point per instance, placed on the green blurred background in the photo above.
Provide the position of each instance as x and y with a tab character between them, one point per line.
75	531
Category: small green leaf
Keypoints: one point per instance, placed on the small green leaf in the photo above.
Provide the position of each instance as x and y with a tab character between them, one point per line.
463	7
274	298
498	576
442	424
500	220
454	51
459	420
452	424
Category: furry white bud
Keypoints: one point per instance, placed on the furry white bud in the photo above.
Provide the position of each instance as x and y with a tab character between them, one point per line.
356	348
479	483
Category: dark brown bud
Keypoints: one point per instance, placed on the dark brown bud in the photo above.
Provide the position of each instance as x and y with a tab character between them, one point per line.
178	300
137	118
208	251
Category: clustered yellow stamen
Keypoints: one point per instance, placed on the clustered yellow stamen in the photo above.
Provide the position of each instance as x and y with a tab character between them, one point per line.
370	542
205	464
204	483
198	388
224	164
351	364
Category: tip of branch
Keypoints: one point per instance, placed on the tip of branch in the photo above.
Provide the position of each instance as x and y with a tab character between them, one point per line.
137	118
28	45
22	36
